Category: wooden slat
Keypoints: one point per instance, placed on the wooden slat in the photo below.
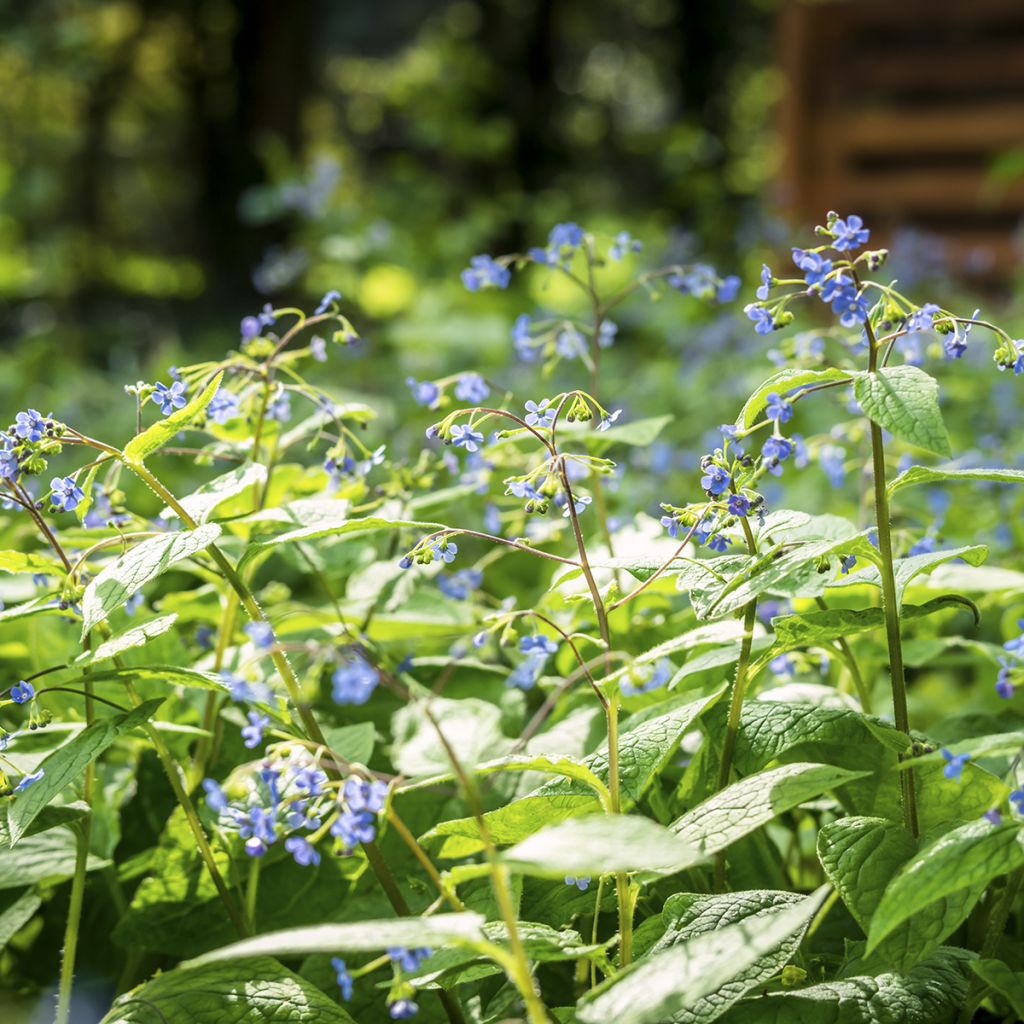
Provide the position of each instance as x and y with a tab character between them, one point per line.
986	128
914	191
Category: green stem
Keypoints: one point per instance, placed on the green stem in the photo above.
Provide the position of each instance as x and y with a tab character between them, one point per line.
74	920
623	895
252	889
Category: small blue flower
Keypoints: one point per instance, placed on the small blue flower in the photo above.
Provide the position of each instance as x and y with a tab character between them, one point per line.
540	414
738	505
849	233
361	795
30	425
23	692
223	406
402	1009
424	392
329	299
776	450
216	798
169	398
568	235
318	348
850	306
354	681
279	408
846	563
715	480
728	288
1004	686
461	584
9	467
304	852
28	780
765	286
778	408
483	272
1017	799
66	494
408	960
261	634
537	643
342	977
466	437
582	883
624	244
783	666
764	322
832	460
922	319
134	603
955	344
607	421
579	505
354	827
993	816
471	387
814	266
1016	646
672	524
954	764
446	550
525	675
252	734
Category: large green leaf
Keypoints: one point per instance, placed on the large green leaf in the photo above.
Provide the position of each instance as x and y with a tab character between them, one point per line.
926	475
599	845
153	438
966	858
860	857
355	937
644	750
746	805
16	914
202	503
46	857
254	991
781	383
905	401
929	993
136	636
1002	979
693	981
67	764
16	562
144	562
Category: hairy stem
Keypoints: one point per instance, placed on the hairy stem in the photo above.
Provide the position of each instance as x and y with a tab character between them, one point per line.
623	896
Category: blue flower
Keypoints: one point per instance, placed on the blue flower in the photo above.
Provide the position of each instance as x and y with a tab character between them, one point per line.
728	288
832	460
776	450
327	301
484	272
252	734
30	425
467	437
778	408
672	524
1004	687
1016	646
424	392
342	977
521	338
216	798
540	415
402	1009
250	327
134	603
849	233
169	398
261	634
579	505
1017	799
318	348
846	563
624	243
361	795
922	319
783	666
223	406
764	323
461	584
993	816
66	494
354	827
954	764
408	960
607	421
738	505
537	643
568	235
304	852
815	267
659	676
446	550
765	286
850	306
9	467
28	780
715	480
471	387
280	407
582	883
22	692
606	333
955	344
354	681
525	675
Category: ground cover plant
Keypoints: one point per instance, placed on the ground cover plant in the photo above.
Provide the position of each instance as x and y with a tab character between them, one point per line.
335	731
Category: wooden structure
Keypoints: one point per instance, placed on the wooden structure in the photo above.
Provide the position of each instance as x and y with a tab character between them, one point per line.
911	113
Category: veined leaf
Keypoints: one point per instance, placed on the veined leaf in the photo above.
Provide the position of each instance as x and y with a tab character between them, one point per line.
905	401
746	805
257	989
22	562
67	764
926	475
202	503
782	383
16	915
137	636
153	438
144	562
969	856
1000	978
46	857
676	983
356	937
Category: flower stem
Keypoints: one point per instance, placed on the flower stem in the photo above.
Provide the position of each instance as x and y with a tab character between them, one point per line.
623	896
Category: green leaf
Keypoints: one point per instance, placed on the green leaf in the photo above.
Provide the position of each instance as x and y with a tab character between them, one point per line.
969	856
644	750
860	857
202	503
905	401
906	569
356	937
137	636
16	915
598	845
746	805
926	475
929	993
1002	979
87	484
46	857
21	562
152	439
68	763
825	626
692	980
355	743
144	562
471	726
256	991
782	382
